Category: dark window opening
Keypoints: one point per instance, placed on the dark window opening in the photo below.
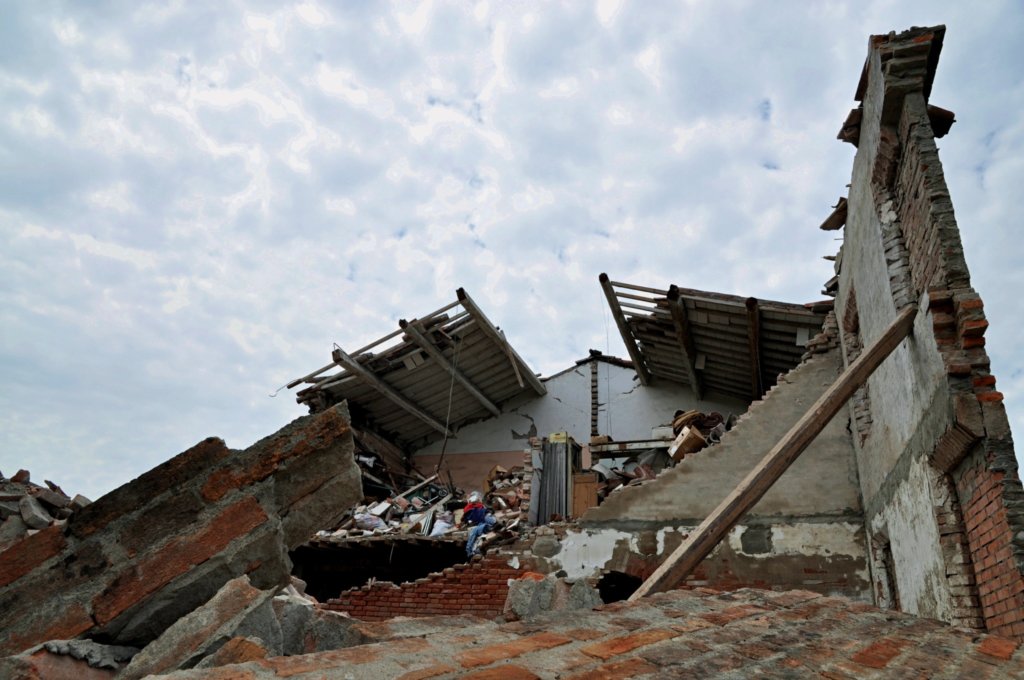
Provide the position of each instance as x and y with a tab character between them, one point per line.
616	586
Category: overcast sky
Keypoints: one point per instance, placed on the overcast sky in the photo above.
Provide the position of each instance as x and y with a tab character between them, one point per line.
197	199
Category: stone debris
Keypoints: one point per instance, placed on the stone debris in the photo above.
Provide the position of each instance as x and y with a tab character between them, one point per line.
123	569
35	507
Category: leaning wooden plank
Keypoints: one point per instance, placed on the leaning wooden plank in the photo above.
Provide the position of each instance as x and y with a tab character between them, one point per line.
360	371
627	336
703	540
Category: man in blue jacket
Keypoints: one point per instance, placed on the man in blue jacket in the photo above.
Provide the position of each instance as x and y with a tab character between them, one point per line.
479	519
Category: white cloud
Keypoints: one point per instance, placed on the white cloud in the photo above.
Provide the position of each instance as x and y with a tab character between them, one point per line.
205	198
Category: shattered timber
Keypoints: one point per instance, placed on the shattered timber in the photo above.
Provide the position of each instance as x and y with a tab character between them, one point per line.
760	488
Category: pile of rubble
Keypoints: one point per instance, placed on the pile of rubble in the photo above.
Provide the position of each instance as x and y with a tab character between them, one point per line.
26	508
417	510
690	432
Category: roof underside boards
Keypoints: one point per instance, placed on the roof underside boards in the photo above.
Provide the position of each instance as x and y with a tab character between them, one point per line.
402	383
727	344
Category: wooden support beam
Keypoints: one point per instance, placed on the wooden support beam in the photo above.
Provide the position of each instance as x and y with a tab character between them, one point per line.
427	346
627	337
494	334
703	540
358	370
677	309
754	347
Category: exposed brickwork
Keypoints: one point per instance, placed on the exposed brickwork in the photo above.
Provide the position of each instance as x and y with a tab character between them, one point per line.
978	497
678	634
479	587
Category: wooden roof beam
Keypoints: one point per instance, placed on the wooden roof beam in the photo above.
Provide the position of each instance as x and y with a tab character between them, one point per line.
754	343
434	353
496	336
756	484
627	336
677	309
357	369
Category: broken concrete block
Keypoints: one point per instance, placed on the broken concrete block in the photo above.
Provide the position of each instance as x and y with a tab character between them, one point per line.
11	531
135	561
235	650
51	498
8	508
261	623
110	657
199	633
528	597
79	502
34	514
21	477
40	664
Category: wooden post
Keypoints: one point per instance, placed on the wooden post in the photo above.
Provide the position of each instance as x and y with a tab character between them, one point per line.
427	346
357	369
754	342
689	351
703	540
495	335
627	337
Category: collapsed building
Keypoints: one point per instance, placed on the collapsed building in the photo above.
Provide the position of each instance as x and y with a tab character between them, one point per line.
902	513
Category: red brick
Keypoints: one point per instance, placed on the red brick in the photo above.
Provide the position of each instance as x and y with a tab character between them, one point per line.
177	557
429	672
879	654
617	671
327	427
584	634
990	396
727	616
999	647
74	621
627	643
509	650
507	672
29	553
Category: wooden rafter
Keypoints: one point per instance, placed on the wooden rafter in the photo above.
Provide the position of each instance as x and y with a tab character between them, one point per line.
496	336
756	484
754	345
358	370
627	336
677	309
424	343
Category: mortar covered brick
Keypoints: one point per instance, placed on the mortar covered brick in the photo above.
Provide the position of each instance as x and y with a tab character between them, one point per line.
129	565
671	637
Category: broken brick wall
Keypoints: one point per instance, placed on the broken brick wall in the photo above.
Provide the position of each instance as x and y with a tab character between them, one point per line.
943	501
127	566
479	588
806	532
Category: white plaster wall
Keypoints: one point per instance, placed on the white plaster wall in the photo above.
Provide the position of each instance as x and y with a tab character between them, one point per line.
909	522
586	553
903	387
629	411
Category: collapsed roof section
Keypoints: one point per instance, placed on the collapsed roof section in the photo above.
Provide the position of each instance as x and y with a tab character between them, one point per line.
711	341
454	353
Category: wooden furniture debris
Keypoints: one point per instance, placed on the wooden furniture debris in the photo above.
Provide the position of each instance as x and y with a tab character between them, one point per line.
703	540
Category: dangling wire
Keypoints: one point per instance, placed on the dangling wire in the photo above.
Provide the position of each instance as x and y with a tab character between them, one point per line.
451	393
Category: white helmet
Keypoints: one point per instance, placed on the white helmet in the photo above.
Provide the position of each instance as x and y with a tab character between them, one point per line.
474	497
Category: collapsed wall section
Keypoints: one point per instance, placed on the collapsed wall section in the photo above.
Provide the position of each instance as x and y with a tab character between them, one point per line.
127	566
806	532
943	502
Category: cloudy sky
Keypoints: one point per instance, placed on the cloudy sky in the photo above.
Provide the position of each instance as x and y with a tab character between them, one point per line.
197	199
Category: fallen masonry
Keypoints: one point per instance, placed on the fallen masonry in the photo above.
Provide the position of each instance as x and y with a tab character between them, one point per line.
126	567
894	546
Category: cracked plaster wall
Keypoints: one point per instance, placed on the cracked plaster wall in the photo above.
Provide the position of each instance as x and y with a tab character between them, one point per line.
627	411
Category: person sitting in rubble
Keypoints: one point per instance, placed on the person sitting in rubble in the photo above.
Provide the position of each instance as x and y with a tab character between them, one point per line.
479	518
